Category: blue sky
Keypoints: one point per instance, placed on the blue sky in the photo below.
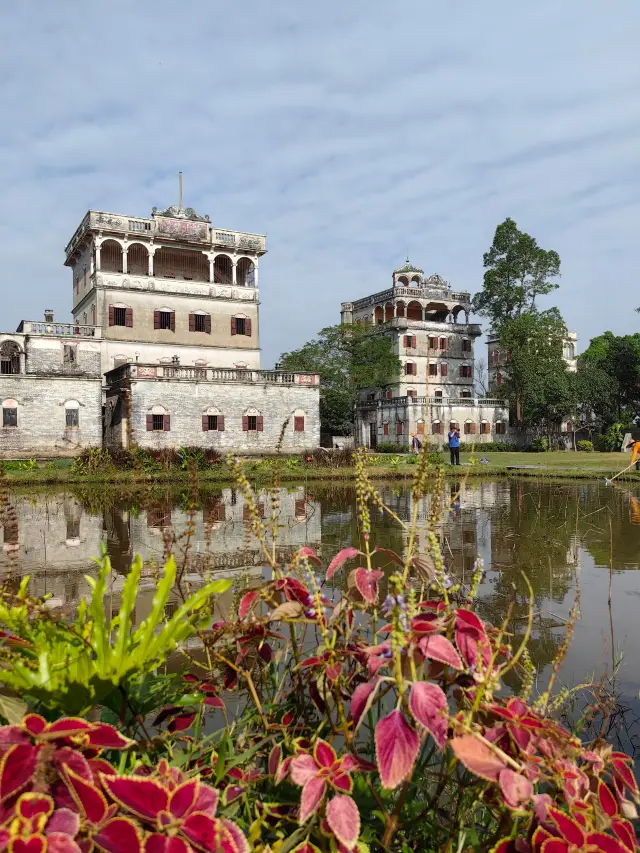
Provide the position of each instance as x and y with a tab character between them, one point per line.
352	133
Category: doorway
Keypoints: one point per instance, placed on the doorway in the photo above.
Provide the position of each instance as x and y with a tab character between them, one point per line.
373	436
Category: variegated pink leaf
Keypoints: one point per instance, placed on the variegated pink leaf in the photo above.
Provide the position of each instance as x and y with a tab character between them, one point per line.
246	602
157	843
516	788
207	800
309	554
233	839
17	768
312	794
89	799
397	746
437	647
340	559
478	757
303	768
428	704
275	756
105	736
323	753
65	821
366	583
144	797
58	842
343	818
282	771
362	699
119	835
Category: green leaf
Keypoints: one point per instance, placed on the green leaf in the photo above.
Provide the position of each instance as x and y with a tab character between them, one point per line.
12	709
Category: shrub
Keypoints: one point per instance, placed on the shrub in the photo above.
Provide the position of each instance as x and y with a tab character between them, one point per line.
612	439
540	444
321	457
392	448
585	446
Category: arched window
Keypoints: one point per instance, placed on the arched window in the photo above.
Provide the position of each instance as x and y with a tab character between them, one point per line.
9	413
158	420
299	420
252	421
420	427
245	273
9	358
437	428
469	428
379	315
223	270
111	256
137	259
212	420
388	312
402	281
415	279
400	308
414	311
72	414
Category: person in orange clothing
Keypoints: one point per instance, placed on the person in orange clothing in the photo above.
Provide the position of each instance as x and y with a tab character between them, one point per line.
636	450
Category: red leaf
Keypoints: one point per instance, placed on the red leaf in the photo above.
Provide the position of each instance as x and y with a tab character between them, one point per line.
473	647
31	804
395	558
324	754
34	724
157	843
107	737
245	603
65	821
275	756
516	788
58	842
478	757
306	847
12	734
503	846
183	798
87	797
144	797
607	799
604	843
625	832
233	839
397	746
309	554
181	723
468	618
339	560
437	647
568	828
362	699
367	583
312	794
343	818
65	756
214	702
66	727
33	844
202	830
625	774
554	845
341	782
119	835
428	704
17	768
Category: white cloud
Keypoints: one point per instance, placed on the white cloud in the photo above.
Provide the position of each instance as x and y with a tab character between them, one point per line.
351	133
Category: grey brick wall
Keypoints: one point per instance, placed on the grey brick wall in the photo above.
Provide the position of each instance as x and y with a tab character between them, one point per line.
49	360
41	427
186	401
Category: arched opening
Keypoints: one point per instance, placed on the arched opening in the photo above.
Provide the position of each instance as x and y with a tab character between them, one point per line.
245	273
9	358
223	270
111	256
72	414
416	280
414	311
181	264
379	315
388	312
455	311
469	427
138	259
400	308
436	312
403	281
436	428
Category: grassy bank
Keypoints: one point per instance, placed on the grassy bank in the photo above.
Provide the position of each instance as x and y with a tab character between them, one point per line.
554	464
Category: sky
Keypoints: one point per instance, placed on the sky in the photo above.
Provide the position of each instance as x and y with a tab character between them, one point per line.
351	133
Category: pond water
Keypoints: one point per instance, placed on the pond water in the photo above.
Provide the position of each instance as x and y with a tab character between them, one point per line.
563	536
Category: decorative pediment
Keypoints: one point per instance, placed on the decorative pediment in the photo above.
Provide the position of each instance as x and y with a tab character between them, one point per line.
175	212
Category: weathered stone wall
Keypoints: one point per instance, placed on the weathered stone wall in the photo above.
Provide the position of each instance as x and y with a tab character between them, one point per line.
41	429
47	356
186	401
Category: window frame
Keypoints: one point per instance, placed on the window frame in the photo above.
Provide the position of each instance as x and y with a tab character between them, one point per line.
6	417
252	423
72	413
155	420
164	317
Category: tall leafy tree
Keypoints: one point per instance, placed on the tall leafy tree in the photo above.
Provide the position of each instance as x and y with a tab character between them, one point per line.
349	358
618	357
517	271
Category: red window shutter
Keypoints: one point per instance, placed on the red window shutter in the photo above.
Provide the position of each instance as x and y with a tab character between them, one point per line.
260	423
298	423
388	395
473	429
399	428
167	423
467	429
205	423
385	429
444	343
462	371
413	341
149	423
173	321
432	343
207	324
220	423
245	423
444	369
234	325
499	379
192	322
406	340
156	319
415	369
247	327
111	315
128	318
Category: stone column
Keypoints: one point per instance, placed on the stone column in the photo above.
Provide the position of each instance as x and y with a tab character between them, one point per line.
22	362
424	314
124	260
234	279
151	254
210	269
255	275
466	317
98	267
395	309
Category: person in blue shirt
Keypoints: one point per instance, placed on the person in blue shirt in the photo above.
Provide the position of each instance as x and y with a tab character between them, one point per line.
454	445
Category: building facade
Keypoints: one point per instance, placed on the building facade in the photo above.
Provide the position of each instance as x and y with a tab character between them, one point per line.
176	300
422	316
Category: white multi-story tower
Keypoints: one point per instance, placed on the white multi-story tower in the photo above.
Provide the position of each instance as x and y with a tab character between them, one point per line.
428	324
168	288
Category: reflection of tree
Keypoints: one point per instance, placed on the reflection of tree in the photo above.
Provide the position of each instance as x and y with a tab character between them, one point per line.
620	508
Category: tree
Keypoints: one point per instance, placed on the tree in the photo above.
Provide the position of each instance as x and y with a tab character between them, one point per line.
517	271
618	357
481	377
349	358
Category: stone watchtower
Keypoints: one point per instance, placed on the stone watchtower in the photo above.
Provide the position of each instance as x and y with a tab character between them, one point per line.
168	289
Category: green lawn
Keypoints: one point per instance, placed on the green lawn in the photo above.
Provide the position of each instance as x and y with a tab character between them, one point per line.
555	460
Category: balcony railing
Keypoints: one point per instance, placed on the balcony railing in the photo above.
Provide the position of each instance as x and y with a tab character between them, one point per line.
447	402
210	374
425	293
59	330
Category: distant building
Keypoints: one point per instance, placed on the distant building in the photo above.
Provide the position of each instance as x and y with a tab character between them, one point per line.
177	300
422	317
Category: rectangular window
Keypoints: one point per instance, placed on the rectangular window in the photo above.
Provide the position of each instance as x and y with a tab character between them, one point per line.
496	356
9	417
72	418
498	379
385	429
389	395
298	423
157	423
165	319
438	394
212	422
485	429
444	343
410	369
466	345
411	393
444	369
252	423
454	425
501	428
465	371
436	428
399	428
70	355
199	323
119	316
433	343
241	326
465	394
469	428
433	370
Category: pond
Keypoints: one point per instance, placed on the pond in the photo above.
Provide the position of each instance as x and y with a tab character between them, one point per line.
563	536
